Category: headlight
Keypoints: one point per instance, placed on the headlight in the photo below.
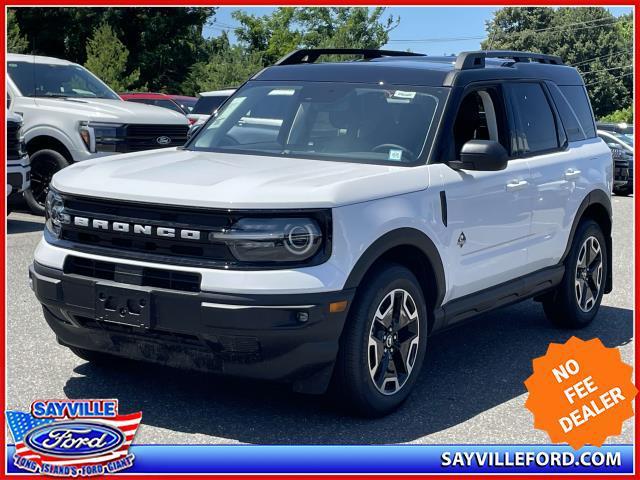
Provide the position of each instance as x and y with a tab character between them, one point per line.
102	137
271	239
54	213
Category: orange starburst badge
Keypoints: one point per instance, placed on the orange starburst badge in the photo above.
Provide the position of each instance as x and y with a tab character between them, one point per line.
580	392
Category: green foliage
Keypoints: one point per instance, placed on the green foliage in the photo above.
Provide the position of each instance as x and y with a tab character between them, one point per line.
107	59
589	37
619	116
227	68
16	42
289	28
162	42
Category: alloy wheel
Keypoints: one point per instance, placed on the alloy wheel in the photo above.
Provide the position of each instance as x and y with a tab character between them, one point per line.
589	270
393	341
41	179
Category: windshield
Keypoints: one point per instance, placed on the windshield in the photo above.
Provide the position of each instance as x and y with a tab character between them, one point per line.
50	80
322	120
207	105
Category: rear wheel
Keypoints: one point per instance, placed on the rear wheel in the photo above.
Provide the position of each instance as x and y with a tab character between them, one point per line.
383	344
576	301
44	164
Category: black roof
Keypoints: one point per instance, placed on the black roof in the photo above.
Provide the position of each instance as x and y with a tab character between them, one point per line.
402	68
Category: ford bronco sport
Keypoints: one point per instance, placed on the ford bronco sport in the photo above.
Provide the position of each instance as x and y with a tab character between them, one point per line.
70	115
332	216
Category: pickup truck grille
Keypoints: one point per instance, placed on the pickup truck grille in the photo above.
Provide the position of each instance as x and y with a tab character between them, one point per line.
15	148
148	137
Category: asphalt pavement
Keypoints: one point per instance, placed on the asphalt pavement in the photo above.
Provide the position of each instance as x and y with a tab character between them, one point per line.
470	390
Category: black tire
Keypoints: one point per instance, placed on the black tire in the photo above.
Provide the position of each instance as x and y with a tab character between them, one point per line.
44	164
353	383
563	306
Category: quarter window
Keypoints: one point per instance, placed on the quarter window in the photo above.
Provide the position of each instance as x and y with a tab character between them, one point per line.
535	122
576	95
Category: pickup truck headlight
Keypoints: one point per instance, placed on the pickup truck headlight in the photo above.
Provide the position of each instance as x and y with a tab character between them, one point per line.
271	239
54	213
102	136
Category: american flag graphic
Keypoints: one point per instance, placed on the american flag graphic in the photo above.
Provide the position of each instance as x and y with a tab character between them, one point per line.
20	423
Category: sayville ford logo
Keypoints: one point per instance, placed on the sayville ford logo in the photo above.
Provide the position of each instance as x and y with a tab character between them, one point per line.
163	140
73	437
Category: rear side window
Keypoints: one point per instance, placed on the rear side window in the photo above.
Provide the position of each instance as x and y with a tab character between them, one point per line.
576	95
535	122
568	116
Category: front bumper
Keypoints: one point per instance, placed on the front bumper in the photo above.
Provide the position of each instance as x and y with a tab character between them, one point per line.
289	338
18	175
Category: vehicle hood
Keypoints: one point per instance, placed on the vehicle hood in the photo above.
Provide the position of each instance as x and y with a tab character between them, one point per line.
103	110
215	180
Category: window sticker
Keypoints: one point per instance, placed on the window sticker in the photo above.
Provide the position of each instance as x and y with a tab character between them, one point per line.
395	155
402	94
284	92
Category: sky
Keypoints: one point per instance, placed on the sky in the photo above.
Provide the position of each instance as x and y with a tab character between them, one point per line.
427	24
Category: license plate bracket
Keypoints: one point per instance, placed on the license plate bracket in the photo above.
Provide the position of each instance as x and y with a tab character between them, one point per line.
126	306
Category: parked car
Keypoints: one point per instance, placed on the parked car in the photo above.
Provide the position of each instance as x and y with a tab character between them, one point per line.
621	146
18	166
207	103
397	196
156	99
623	128
70	115
186	103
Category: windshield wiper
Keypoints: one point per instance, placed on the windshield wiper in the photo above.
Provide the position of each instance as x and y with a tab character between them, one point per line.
54	95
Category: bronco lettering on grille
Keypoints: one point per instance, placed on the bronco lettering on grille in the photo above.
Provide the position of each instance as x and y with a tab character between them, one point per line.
136	228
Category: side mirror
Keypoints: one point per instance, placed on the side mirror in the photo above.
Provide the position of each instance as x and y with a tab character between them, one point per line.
193	129
482	155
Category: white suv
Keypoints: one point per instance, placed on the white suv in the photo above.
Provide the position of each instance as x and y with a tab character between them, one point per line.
70	115
383	200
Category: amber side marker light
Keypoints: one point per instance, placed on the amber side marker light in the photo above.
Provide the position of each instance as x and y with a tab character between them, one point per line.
337	307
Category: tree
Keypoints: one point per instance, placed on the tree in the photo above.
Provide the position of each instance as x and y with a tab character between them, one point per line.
288	28
227	68
590	38
107	58
162	42
16	42
619	116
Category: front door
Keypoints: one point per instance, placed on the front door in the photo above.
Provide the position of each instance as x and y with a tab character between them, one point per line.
489	212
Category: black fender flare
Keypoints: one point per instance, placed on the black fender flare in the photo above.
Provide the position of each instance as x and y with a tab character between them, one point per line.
397	238
595	197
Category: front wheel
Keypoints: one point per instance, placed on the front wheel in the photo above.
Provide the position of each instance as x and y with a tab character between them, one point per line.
575	302
44	164
383	344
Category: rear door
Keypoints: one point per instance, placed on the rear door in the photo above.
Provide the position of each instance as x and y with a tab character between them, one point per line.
558	148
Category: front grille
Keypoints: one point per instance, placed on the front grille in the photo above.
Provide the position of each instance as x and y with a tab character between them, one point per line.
176	249
15	148
133	275
146	137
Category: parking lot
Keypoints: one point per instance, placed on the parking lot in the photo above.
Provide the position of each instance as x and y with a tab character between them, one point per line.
470	391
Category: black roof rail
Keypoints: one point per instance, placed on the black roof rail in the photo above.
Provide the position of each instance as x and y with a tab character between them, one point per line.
471	60
310	55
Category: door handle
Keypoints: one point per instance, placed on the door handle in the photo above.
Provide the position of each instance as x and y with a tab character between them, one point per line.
515	185
571	174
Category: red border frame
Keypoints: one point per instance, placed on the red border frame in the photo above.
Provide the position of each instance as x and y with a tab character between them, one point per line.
254	3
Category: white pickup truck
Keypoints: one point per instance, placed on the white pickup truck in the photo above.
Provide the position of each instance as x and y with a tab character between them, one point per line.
70	115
